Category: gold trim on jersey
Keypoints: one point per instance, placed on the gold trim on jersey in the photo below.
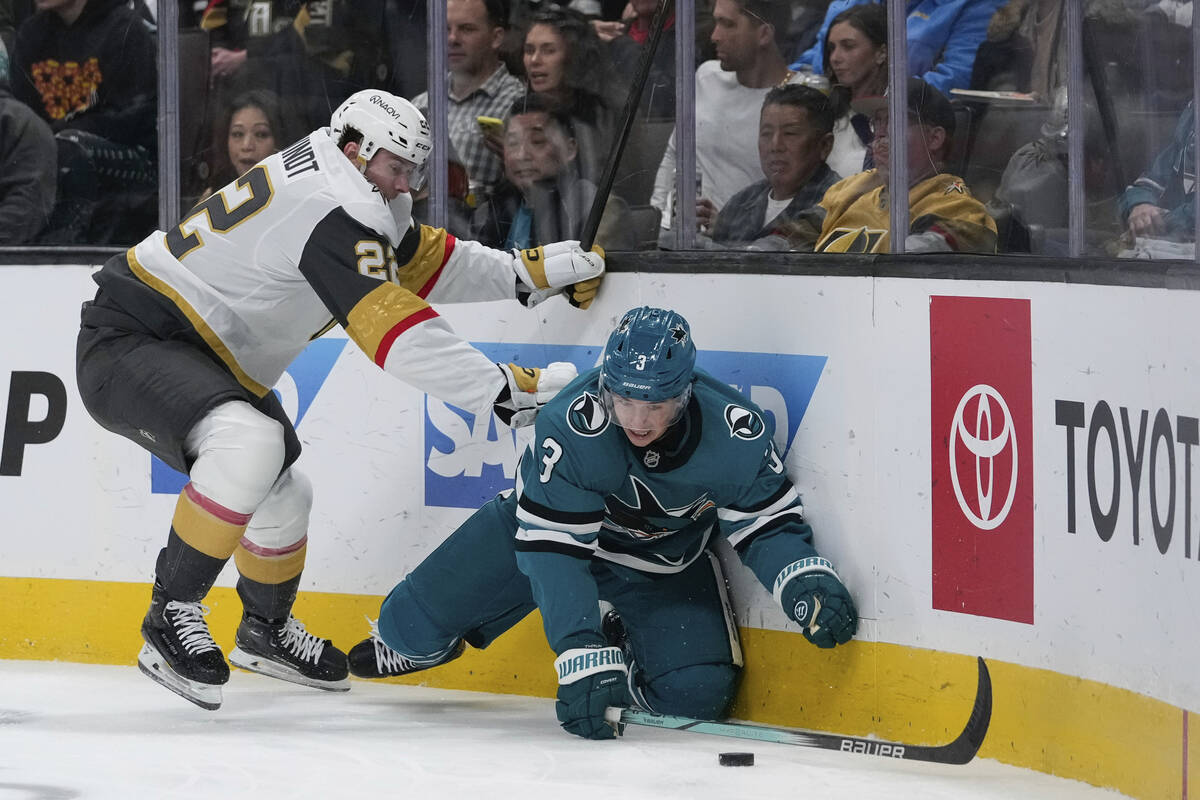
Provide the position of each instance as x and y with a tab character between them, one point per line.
426	261
206	333
378	312
222	218
852	240
326	328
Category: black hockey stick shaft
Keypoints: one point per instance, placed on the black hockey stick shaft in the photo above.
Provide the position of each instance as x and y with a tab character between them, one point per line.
959	751
587	236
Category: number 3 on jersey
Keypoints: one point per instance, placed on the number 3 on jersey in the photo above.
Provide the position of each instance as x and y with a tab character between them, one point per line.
553	452
220	215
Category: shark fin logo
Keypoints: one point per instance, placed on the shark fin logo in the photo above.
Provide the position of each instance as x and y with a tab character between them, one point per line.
587	416
743	423
296	390
467	460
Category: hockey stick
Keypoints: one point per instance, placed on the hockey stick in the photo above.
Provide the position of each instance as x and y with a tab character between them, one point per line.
587	236
960	751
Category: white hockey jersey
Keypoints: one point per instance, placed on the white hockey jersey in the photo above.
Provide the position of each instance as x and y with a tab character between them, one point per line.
303	241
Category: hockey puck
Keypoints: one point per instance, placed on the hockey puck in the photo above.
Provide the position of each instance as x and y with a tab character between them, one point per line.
736	759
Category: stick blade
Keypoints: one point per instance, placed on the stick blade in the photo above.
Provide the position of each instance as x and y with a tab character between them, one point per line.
967	744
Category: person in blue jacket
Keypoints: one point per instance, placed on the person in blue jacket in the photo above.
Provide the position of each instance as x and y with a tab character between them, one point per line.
634	471
943	36
1161	202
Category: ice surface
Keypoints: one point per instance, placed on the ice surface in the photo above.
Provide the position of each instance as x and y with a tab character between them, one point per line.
86	731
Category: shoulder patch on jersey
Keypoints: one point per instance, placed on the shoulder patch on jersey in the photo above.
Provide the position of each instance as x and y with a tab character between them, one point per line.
743	423
587	416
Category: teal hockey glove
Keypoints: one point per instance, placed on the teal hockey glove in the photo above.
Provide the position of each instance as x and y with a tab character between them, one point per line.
813	595
590	679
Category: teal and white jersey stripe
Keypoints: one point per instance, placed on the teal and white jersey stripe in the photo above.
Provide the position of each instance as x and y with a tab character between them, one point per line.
586	493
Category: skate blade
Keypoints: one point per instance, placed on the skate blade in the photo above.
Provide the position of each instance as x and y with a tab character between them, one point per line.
155	667
272	669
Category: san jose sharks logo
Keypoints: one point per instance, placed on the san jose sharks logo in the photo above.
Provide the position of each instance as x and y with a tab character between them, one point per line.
679	334
743	423
587	416
646	517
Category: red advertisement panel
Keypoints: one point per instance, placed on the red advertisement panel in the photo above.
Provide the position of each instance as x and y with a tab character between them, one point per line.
982	453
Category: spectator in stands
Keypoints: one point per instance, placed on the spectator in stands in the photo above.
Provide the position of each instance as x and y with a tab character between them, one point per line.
563	59
28	163
1025	49
542	198
87	67
250	130
943	36
1161	202
729	95
313	55
853	216
479	84
795	134
8	28
625	51
856	63
1031	204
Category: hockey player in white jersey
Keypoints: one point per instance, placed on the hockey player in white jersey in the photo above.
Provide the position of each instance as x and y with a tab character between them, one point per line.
192	326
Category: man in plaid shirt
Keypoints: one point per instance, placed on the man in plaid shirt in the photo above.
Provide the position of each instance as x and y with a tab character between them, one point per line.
795	135
480	85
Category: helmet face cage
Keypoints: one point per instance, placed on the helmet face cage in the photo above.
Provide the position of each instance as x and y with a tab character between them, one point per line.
386	122
649	358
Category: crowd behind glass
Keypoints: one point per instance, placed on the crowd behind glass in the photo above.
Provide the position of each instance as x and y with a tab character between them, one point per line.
790	143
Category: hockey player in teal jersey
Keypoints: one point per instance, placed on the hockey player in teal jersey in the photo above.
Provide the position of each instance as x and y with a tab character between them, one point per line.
634	470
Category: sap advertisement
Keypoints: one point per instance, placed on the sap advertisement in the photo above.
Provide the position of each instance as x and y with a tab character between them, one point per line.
995	468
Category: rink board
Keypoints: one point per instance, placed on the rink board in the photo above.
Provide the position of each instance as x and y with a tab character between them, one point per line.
1035	560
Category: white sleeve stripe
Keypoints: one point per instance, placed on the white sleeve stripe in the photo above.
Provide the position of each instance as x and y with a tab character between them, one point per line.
738	536
789	499
543	535
529	519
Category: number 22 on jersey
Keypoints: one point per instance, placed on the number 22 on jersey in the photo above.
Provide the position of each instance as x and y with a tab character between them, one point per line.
249	194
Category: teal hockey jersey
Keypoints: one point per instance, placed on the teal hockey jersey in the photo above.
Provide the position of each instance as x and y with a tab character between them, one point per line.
585	493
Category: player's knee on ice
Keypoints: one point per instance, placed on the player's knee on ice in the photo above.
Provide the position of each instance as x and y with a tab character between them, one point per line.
700	691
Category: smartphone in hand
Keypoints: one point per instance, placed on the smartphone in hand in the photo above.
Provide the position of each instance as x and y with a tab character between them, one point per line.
490	126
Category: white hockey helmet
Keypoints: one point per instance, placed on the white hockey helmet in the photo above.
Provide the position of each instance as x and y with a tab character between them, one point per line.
386	122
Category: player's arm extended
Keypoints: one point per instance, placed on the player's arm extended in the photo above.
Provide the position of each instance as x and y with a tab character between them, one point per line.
553	548
767	529
402	333
444	269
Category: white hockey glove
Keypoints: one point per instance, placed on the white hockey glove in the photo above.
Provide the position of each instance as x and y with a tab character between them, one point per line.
530	388
560	265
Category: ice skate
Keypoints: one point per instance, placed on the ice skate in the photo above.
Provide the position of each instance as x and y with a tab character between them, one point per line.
371	658
286	650
180	653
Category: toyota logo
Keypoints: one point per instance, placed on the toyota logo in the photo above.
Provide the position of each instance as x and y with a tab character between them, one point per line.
985	442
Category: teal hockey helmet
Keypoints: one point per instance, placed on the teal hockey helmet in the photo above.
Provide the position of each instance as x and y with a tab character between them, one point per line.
649	357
